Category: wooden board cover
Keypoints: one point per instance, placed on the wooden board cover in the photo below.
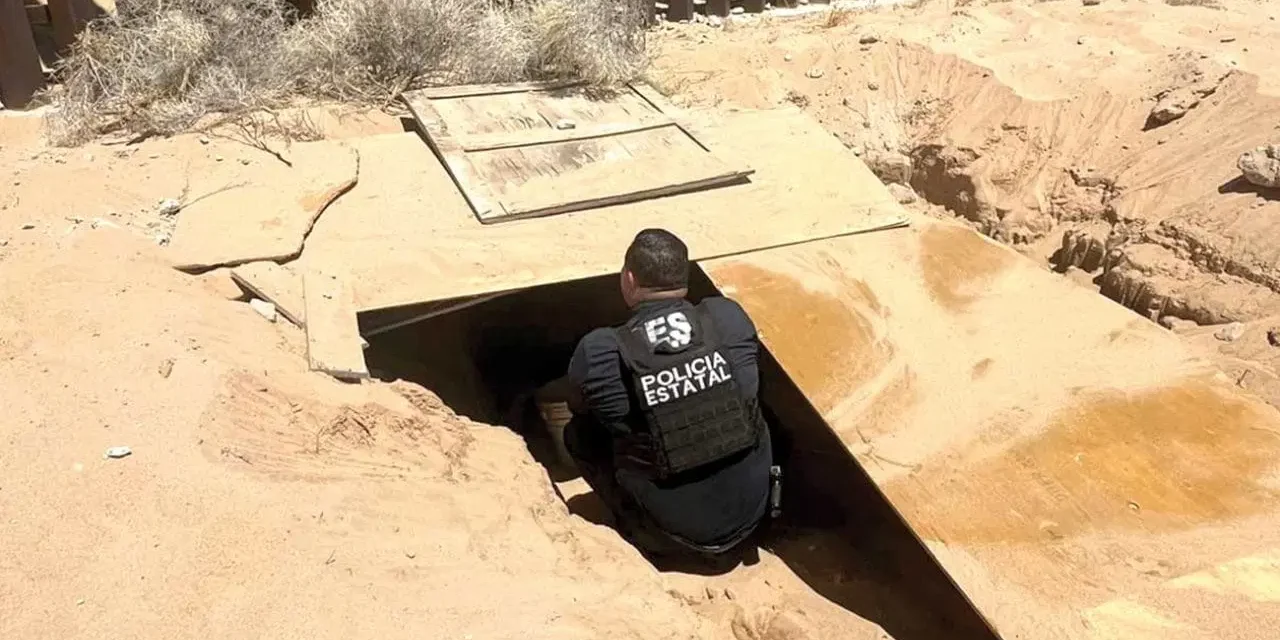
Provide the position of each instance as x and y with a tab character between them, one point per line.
1076	469
408	237
532	150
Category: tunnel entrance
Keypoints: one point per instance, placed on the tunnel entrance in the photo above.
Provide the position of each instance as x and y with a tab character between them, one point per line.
837	533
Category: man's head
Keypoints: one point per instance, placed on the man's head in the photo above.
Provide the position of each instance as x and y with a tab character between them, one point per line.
656	266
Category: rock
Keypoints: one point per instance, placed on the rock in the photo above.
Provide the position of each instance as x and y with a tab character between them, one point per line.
118	452
869	37
1177	325
1080	40
1273	336
1261	166
217	158
204	140
28	226
873	86
715	21
170	207
1082	249
730	593
1227	39
814	73
244	161
890	167
264	309
565	124
1172	106
786	58
711	593
1230	333
903	194
737	11
1091	3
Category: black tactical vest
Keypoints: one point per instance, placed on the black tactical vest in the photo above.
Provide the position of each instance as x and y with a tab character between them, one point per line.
686	405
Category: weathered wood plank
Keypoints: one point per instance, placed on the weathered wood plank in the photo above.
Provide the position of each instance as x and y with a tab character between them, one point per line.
469	90
534	137
452	155
611	183
21	75
275	283
333	334
660	103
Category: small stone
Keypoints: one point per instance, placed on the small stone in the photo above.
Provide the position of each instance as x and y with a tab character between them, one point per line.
730	594
737	11
1273	336
1230	333
60	160
786	58
244	161
170	207
79	601
1227	39
118	452
28	226
873	86
410	555
217	158
1261	166
154	156
711	593
901	193
565	124
814	73
869	37
1091	3
204	140
1080	40
264	309
715	21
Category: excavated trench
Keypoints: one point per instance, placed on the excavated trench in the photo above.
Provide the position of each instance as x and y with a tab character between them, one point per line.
838	534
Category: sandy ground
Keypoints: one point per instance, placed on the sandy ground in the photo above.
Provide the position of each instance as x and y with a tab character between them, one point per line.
262	501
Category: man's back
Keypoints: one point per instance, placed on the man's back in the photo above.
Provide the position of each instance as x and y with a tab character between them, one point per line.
713	503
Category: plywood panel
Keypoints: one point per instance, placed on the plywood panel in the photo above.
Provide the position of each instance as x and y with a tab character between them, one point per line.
536	153
407	236
1076	469
334	345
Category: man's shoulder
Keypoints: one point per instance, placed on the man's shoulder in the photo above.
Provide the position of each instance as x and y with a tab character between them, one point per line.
729	315
599	340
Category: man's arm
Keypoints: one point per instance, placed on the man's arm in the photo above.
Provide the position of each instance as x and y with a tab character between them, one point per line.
738	334
596	371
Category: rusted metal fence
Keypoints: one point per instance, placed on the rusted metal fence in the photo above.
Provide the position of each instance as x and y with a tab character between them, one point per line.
32	34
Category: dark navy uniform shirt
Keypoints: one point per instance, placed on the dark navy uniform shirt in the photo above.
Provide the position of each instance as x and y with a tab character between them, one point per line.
707	505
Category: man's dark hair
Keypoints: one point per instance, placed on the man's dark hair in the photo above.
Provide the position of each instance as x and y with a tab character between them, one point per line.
659	260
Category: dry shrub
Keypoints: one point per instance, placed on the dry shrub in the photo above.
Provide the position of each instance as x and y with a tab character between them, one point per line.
600	41
158	67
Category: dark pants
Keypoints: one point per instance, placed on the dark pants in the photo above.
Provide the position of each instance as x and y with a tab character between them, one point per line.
591	448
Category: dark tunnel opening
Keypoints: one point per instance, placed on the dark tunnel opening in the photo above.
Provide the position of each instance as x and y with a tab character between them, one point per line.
838	533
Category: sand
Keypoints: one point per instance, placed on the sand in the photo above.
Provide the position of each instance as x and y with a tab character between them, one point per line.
264	501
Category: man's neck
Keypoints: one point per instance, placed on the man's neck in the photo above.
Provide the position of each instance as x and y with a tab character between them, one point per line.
659	296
